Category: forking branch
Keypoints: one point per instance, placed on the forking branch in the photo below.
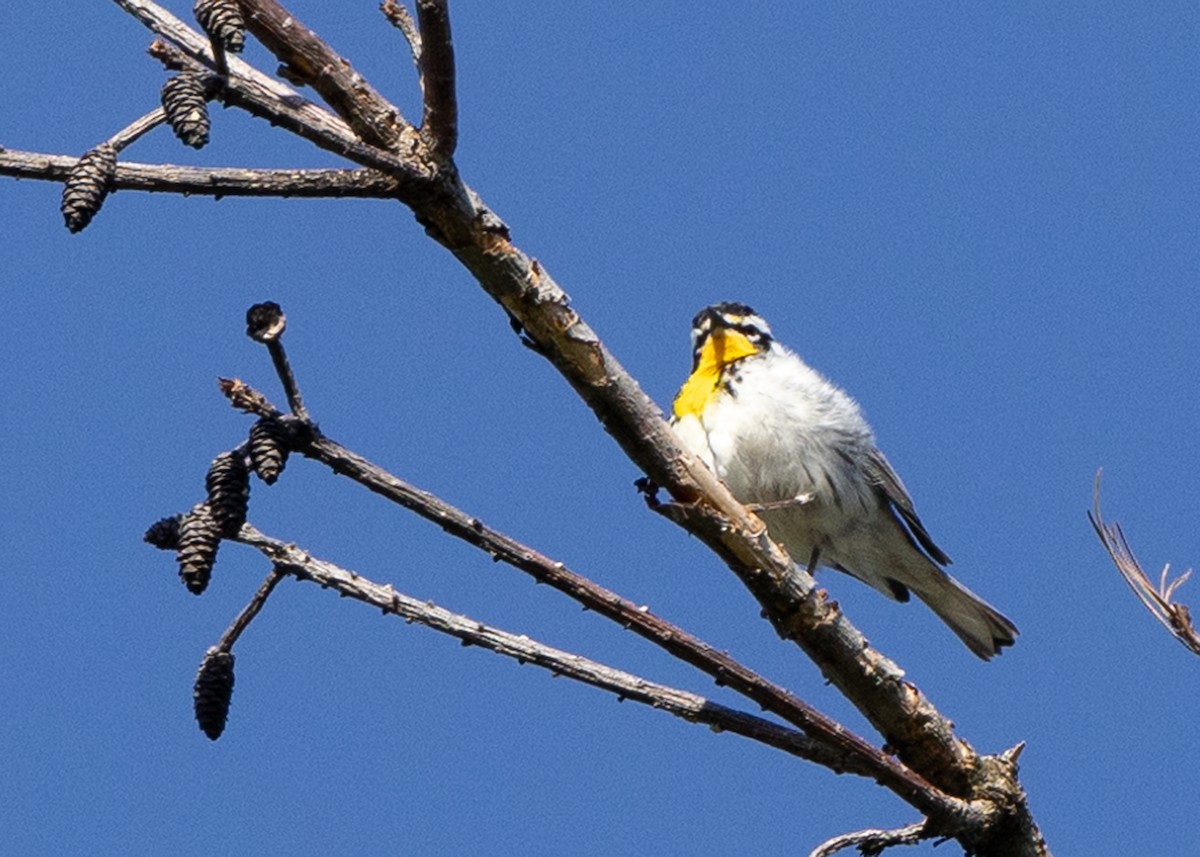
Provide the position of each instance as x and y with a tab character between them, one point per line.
367	130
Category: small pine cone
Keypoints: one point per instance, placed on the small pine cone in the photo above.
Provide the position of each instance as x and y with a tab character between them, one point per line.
87	186
228	486
187	108
265	322
268	450
212	691
222	20
164	534
199	539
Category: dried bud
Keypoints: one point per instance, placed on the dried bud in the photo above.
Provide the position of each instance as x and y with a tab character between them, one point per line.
268	450
164	534
222	20
228	486
265	322
186	107
212	691
199	538
87	185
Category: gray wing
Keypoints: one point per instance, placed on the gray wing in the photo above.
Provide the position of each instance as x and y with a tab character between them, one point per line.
884	477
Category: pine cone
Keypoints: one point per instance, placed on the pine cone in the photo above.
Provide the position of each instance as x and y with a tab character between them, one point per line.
164	533
87	185
187	108
265	322
199	539
212	691
268	450
228	486
222	20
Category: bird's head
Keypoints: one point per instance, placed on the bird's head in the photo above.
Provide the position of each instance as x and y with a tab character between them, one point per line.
725	332
721	334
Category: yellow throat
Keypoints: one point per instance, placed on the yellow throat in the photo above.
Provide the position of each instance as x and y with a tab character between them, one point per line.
720	349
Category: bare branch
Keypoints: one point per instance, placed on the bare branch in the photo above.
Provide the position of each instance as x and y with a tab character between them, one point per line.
290	559
209	181
374	119
243	619
399	18
439	127
137	128
873	842
1174	616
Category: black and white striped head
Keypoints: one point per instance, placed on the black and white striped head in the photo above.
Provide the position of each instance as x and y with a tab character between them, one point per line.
729	322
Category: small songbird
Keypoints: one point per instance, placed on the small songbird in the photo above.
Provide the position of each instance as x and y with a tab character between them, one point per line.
797	450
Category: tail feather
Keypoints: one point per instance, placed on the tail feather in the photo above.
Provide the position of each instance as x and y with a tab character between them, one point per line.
981	626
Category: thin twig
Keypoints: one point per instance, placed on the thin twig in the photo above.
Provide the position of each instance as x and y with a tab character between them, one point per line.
873	842
137	128
283	368
251	610
220	57
1173	616
289	559
399	18
210	181
439	126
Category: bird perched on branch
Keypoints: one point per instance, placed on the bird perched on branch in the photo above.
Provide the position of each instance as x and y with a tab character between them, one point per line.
797	450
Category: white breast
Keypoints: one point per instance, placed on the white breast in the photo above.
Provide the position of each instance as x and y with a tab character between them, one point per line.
787	431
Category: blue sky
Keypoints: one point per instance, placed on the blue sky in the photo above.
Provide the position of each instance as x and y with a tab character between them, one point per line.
980	220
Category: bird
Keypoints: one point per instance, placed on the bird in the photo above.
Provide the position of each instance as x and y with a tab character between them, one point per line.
796	449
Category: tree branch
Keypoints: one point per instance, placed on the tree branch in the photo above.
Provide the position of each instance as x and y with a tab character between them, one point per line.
873	842
243	619
209	181
137	128
399	18
289	559
439	127
374	119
